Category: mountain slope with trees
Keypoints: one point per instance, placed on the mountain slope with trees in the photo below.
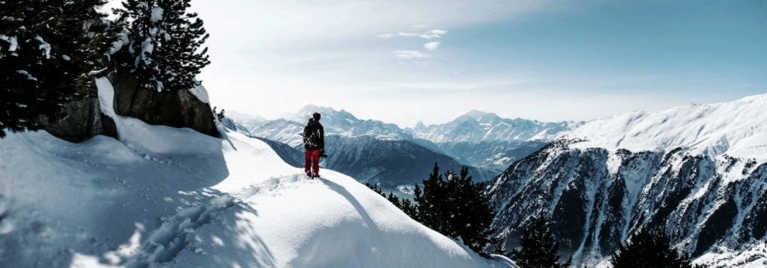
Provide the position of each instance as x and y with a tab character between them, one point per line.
707	195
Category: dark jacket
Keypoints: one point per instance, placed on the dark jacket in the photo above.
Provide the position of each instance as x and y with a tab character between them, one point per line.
314	136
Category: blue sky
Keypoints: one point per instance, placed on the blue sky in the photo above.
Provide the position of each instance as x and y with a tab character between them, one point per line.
428	60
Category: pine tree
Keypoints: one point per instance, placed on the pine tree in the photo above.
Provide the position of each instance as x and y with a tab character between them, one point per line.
409	209
48	49
394	200
403	204
375	188
164	44
431	203
456	207
537	246
647	249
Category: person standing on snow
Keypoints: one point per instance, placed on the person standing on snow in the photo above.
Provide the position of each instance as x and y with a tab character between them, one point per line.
314	143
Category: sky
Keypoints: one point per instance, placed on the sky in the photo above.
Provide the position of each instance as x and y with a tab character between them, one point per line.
405	61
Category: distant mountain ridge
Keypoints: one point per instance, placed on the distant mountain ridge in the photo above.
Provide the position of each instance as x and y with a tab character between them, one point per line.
364	148
489	141
476	126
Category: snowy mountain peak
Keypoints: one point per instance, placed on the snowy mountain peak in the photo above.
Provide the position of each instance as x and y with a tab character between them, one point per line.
477	126
479	116
327	113
335	122
737	128
420	126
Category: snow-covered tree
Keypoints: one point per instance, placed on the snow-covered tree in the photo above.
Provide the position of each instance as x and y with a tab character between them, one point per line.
537	246
48	49
164	43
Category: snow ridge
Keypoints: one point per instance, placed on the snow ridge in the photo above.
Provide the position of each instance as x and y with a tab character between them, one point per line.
168	197
737	128
698	172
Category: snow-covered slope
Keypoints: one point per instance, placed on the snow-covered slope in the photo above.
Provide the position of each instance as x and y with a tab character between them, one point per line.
737	128
166	197
696	172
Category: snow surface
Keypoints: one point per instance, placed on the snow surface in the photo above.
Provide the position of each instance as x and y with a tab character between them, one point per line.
25	73
168	197
737	128
201	93
44	46
14	43
106	96
156	14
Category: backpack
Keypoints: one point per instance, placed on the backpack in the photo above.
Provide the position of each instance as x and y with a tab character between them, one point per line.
311	137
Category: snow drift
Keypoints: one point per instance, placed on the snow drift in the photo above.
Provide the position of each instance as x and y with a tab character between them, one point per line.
170	197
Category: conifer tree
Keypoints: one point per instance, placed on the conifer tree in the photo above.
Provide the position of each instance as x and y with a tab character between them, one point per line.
49	50
395	200
537	246
164	44
647	249
375	188
456	207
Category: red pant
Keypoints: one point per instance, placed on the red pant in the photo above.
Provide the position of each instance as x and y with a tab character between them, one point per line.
313	161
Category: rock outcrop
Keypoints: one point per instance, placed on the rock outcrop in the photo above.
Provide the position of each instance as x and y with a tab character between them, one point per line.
178	108
82	119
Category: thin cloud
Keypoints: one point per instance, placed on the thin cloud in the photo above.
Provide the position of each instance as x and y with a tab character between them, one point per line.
439	31
425	34
410	54
431	46
385	35
430	36
405	34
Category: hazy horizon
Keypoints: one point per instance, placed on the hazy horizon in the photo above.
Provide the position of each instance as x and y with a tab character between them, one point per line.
289	114
407	61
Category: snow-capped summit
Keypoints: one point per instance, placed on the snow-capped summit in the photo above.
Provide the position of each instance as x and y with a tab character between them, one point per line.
334	121
477	126
737	128
480	116
696	172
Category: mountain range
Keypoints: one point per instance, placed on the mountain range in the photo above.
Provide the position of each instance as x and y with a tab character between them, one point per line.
486	140
696	172
377	152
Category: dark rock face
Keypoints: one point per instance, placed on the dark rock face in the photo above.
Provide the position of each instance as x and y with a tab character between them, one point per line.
597	199
175	109
82	120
